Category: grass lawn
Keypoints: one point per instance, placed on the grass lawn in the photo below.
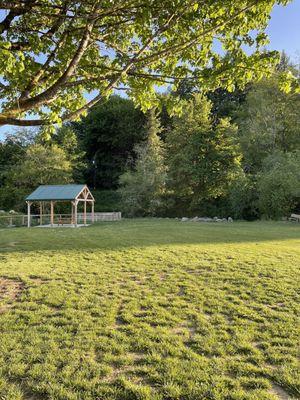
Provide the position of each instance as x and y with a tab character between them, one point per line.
150	310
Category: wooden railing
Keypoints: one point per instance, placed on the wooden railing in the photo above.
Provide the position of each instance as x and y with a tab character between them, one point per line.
108	216
13	220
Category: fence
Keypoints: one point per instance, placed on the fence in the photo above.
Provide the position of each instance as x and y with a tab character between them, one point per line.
14	220
108	216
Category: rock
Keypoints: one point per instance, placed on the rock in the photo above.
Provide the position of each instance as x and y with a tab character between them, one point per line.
2	212
224	219
230	219
219	220
215	218
184	219
195	219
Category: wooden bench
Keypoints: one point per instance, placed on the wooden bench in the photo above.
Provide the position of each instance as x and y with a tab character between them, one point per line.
294	217
65	221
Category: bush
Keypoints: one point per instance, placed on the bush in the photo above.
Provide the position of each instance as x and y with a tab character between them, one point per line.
279	185
12	198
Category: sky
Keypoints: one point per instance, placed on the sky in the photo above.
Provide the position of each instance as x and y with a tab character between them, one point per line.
283	30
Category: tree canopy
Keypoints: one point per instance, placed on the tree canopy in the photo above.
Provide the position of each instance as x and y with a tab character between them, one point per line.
41	166
202	157
108	135
268	121
54	52
143	187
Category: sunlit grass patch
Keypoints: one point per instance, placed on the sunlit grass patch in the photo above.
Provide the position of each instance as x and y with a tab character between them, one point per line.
152	309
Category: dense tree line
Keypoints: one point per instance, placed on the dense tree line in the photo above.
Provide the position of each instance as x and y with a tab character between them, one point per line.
227	153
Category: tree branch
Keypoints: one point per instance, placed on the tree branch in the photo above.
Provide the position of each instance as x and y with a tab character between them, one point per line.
22	122
49	94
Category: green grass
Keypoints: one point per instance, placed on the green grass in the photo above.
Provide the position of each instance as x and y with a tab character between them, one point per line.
151	310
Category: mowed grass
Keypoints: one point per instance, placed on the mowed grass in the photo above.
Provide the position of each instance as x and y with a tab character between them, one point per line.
150	310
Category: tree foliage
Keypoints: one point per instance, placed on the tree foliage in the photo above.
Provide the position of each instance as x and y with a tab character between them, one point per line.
53	52
66	139
198	163
243	197
10	153
202	158
32	165
268	121
224	103
142	189
279	184
41	166
107	136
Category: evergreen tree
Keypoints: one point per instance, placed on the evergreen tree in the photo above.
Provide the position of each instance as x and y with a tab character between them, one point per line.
143	187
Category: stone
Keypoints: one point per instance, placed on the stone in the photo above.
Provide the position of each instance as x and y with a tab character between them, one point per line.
215	218
205	219
224	219
184	219
230	219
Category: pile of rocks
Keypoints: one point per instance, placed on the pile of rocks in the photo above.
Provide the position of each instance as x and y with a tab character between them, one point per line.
206	219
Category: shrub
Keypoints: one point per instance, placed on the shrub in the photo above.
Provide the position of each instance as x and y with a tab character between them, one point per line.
279	185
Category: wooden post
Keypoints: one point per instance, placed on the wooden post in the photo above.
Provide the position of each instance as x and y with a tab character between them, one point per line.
51	213
84	212
75	209
41	213
93	212
28	213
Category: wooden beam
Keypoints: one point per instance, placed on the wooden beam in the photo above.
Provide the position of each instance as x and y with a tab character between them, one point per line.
28	214
89	200
85	193
75	217
51	213
84	213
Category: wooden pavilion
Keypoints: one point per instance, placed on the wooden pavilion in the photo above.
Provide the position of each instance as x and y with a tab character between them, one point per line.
52	194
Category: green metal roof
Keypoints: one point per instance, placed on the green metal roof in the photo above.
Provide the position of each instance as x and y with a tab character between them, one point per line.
55	192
